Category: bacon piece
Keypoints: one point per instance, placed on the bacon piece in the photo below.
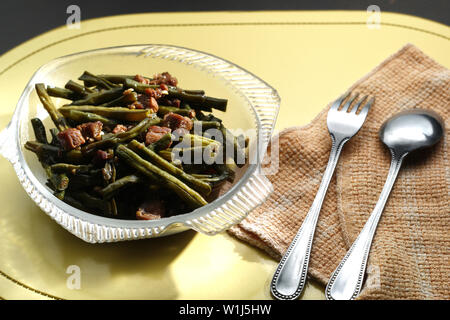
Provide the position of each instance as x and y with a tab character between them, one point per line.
100	157
155	93
147	102
119	128
155	133
71	138
192	114
91	130
151	210
164	78
170	102
141	79
136	105
175	121
153	105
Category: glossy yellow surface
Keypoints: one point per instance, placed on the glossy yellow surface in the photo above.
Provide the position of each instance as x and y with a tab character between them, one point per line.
309	57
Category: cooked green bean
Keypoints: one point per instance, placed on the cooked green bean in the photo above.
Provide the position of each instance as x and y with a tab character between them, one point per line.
113	188
42	149
78	88
209	117
81	117
99	97
138	129
199	154
55	115
196	140
54	133
166	154
39	130
82	181
61	195
70	168
124	100
160	162
93	202
117	113
163	110
137	86
212	148
212	179
163	143
199	100
60	181
191	197
62	93
205	125
74	156
46	151
91	80
113	169
228	168
107	172
199	92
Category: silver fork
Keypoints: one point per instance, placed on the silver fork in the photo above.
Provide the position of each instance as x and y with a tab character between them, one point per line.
343	123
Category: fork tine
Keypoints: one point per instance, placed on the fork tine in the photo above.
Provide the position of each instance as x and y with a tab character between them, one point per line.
338	101
349	102
356	107
366	107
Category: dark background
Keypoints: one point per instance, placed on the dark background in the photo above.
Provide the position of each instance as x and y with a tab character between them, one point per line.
25	19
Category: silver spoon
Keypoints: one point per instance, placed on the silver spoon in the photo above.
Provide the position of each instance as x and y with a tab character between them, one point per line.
402	133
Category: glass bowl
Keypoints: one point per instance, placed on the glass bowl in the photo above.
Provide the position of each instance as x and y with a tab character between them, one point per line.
252	106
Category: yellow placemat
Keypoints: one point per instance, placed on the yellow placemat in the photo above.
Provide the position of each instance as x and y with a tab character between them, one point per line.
309	57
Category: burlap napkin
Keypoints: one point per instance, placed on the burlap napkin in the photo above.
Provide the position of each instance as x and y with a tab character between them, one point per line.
409	258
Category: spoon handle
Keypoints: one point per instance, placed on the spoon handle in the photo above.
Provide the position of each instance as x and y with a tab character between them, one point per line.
346	281
290	276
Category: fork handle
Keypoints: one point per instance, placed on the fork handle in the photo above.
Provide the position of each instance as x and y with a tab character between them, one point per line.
346	281
290	276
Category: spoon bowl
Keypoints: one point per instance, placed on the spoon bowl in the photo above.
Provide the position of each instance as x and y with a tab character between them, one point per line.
411	130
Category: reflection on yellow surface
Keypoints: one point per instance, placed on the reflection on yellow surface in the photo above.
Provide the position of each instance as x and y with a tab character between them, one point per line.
309	57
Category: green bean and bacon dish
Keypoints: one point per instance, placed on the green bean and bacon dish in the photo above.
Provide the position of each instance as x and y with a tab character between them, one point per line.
112	150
